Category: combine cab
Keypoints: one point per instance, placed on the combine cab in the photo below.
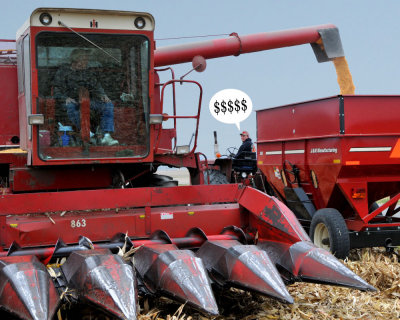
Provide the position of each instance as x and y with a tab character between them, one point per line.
85	219
333	161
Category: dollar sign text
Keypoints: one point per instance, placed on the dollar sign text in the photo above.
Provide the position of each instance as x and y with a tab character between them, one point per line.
244	106
230	106
237	104
223	106
216	110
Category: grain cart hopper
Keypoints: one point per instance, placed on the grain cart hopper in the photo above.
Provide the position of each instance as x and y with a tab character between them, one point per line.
75	205
331	160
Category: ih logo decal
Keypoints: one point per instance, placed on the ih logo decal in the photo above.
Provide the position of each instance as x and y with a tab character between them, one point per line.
396	150
94	24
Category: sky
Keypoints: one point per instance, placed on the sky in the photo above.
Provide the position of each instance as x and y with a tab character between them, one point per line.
370	33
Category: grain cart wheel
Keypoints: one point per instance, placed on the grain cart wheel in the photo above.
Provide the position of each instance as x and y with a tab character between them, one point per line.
373	207
329	231
216	177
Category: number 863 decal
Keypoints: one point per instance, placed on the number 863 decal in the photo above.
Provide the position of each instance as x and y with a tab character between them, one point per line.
80	223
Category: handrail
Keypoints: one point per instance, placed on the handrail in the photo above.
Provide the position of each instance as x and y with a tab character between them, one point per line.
173	96
197	117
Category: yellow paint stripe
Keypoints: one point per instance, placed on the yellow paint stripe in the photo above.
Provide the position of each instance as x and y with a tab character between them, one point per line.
14	150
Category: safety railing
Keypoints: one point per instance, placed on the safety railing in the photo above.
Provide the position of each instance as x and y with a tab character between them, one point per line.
175	116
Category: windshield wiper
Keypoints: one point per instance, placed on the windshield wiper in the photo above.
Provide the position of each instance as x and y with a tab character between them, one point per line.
91	42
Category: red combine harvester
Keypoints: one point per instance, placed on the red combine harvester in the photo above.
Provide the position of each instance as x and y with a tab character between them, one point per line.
330	161
79	193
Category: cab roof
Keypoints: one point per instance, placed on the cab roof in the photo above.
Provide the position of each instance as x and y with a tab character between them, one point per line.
89	18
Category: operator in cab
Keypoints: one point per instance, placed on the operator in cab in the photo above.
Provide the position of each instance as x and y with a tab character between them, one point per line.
68	83
247	146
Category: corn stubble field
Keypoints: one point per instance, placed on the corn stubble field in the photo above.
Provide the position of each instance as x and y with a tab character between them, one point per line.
312	301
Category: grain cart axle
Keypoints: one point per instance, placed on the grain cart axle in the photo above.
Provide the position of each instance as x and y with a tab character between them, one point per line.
85	220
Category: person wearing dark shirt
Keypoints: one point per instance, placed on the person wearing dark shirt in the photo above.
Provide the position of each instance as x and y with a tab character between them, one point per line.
247	145
67	84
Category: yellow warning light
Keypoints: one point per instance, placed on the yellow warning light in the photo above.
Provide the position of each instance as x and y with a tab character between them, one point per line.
337	161
353	163
260	162
358	193
190	213
142	216
14	225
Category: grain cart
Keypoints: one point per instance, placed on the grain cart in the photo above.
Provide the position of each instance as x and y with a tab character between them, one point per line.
330	160
75	206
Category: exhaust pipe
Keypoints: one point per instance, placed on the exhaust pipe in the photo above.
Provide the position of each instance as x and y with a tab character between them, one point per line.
216	147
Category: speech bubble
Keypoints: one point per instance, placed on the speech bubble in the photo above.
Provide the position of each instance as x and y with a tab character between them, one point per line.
231	106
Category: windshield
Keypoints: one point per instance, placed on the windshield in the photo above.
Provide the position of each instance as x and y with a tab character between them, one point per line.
94	99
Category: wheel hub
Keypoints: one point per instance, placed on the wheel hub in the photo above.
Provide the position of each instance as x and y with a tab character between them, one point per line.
321	236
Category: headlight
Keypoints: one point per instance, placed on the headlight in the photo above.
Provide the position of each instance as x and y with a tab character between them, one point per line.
140	23
45	18
244	175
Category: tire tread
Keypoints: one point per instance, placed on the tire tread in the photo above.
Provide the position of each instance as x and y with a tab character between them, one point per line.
338	233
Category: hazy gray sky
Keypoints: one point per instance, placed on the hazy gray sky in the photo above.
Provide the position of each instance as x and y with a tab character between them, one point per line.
370	32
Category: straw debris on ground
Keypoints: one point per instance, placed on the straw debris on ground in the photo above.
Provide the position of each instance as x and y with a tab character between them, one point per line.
312	301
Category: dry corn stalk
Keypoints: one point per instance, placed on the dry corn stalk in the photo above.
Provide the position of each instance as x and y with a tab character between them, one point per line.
315	301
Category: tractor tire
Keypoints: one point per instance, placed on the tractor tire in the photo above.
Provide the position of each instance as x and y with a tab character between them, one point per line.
158	180
216	177
328	230
373	207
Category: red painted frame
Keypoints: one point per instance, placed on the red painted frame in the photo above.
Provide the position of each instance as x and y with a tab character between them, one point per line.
40	219
34	31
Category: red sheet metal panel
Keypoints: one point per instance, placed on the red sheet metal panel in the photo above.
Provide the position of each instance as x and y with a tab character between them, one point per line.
370	150
25	179
100	225
9	122
372	115
271	217
324	158
310	119
269	161
116	198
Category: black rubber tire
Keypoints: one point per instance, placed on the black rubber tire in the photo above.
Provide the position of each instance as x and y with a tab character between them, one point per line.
329	222
216	177
158	180
373	207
